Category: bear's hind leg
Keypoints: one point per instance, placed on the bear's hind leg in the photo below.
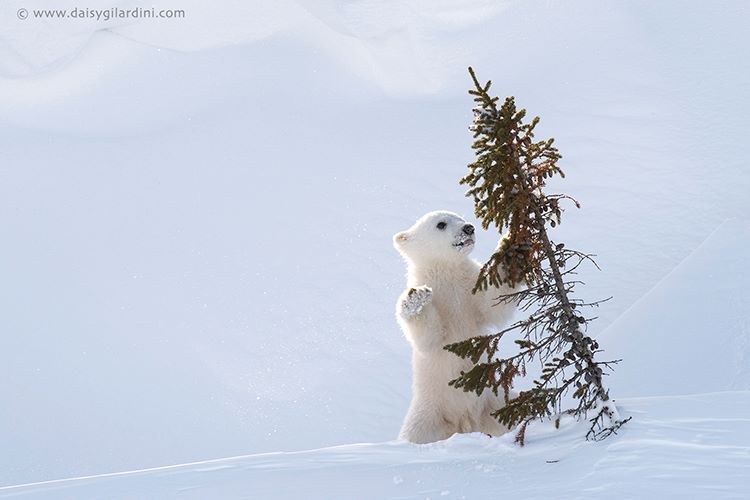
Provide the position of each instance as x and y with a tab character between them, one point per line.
426	426
489	424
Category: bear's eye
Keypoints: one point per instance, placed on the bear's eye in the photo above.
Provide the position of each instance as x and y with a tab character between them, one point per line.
441	225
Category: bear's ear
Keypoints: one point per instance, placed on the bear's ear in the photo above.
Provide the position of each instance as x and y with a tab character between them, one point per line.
401	238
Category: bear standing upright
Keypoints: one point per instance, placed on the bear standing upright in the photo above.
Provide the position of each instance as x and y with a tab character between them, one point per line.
439	308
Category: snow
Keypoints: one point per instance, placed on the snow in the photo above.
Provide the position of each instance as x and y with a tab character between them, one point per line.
676	446
698	315
197	263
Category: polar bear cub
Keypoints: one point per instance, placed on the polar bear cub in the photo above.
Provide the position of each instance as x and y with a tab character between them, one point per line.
438	308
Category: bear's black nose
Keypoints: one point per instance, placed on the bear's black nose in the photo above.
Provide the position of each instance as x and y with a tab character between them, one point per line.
469	229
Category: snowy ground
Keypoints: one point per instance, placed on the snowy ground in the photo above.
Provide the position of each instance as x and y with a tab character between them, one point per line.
676	447
197	218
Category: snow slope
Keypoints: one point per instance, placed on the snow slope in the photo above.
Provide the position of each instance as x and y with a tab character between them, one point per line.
691	332
197	217
676	447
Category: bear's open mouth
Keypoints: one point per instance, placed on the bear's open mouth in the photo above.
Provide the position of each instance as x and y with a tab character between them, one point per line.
463	243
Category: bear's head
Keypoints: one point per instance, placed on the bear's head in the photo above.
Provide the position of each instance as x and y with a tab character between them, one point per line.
436	236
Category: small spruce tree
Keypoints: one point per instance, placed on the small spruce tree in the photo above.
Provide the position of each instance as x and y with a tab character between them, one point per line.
506	182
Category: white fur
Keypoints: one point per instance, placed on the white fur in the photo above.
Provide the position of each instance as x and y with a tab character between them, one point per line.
438	308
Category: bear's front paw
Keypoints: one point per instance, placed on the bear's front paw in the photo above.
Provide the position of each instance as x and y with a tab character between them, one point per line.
415	300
